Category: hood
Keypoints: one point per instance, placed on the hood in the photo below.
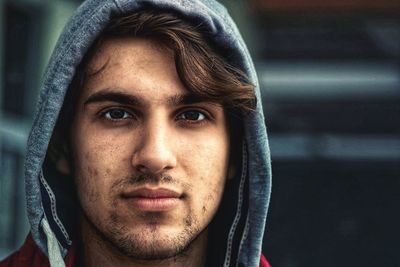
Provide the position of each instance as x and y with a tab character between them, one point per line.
241	242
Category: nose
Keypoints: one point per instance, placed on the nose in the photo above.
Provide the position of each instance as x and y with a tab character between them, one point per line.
154	151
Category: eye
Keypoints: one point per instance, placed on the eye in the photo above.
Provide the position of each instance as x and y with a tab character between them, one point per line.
192	115
116	114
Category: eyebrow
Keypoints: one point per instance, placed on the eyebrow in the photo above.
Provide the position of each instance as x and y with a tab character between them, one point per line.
132	100
186	99
113	96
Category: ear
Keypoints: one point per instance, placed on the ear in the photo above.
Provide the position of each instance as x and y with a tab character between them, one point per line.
63	166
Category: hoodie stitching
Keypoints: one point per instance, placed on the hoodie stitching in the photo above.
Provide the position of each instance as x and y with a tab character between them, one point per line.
238	210
53	208
244	236
45	108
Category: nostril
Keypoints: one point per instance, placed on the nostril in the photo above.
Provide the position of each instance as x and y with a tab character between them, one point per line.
141	168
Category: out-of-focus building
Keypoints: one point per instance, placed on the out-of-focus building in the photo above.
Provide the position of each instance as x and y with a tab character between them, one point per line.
330	78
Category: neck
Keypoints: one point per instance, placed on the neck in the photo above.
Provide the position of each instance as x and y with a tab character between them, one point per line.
94	250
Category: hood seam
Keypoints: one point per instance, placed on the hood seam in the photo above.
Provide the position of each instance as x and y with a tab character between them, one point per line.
53	204
244	236
53	70
238	209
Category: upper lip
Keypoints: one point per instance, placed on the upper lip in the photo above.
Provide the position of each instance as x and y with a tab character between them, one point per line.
152	193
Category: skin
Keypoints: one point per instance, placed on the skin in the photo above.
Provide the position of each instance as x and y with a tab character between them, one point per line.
162	138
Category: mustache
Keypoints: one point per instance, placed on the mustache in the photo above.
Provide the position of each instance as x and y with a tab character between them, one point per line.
150	178
143	178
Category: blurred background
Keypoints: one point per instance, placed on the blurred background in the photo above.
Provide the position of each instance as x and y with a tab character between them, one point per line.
330	77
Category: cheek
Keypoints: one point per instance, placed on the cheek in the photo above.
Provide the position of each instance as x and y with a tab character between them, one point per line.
204	159
98	161
206	165
99	151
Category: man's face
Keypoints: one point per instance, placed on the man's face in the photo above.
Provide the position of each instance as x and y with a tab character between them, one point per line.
150	160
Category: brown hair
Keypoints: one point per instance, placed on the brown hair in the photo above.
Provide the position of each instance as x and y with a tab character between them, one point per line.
201	68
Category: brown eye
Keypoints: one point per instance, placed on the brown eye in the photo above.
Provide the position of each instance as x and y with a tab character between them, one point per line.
192	115
116	114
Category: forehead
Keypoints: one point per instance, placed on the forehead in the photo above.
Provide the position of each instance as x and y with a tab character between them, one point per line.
133	49
133	65
129	52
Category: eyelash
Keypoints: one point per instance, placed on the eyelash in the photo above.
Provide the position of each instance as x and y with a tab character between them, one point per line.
106	113
205	117
130	115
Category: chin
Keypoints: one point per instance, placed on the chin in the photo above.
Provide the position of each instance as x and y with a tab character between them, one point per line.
152	243
147	237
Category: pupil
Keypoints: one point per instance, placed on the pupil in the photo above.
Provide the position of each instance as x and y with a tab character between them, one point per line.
116	114
192	115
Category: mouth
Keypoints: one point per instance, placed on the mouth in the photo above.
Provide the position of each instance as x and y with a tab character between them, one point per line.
153	200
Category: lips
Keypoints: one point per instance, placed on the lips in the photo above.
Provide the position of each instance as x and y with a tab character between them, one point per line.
152	200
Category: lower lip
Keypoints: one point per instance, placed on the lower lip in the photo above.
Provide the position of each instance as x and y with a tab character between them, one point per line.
154	204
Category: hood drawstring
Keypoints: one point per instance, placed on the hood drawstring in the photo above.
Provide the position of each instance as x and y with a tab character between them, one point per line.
53	249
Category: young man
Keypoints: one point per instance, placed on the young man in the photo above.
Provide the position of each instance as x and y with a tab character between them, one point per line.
159	155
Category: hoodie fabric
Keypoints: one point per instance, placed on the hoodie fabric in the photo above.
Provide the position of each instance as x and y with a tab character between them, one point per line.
239	228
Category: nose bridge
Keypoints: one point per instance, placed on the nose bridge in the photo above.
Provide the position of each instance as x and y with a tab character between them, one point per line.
156	134
155	151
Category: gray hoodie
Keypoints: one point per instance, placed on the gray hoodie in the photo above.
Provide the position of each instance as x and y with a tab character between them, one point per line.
240	243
